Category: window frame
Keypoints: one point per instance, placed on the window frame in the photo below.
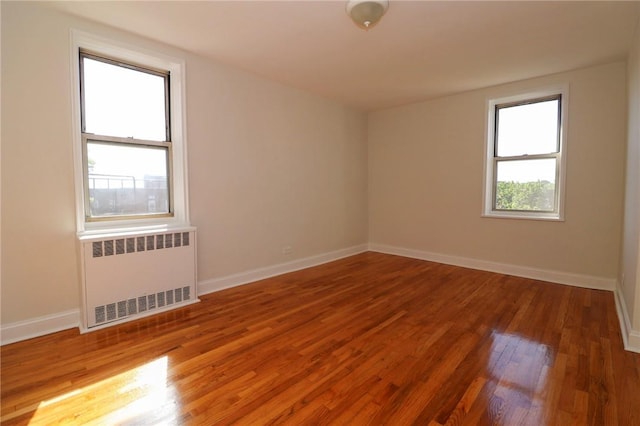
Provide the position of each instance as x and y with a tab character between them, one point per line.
492	159
145	60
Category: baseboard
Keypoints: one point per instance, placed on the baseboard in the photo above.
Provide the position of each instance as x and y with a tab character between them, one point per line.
630	337
217	284
577	280
36	327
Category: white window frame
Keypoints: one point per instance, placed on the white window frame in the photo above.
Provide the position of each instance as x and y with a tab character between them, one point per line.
488	208
178	152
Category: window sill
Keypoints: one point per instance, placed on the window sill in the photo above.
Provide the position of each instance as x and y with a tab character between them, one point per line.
124	231
550	217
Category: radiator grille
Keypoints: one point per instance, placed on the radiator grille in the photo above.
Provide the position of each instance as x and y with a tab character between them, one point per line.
142	303
131	245
132	306
111	311
101	314
137	244
97	249
124	308
108	248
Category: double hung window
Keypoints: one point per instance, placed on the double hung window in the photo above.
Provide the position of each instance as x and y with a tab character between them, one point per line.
126	138
525	156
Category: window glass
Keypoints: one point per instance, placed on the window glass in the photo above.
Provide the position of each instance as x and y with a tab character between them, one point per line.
524	185
123	102
127	180
527	129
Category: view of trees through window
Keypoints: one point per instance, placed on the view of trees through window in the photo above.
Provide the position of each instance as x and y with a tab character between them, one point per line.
526	155
536	196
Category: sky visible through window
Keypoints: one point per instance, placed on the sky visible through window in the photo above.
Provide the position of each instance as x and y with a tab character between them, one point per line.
137	162
527	171
125	103
528	129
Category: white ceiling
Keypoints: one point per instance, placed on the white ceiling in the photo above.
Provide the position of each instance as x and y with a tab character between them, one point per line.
420	49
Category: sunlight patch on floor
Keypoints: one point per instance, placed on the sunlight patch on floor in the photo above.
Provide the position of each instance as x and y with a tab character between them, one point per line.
140	395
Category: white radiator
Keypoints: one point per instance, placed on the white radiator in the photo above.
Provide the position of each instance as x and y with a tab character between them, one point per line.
127	276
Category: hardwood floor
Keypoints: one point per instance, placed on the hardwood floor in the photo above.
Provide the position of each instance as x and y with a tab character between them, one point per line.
371	339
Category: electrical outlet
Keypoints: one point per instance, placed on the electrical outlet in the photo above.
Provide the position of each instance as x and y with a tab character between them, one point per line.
287	250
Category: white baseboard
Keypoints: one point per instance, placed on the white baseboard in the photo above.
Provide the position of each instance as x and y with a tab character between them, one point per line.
577	280
630	337
217	284
35	327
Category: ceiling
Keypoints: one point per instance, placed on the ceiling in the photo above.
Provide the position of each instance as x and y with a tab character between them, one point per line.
419	50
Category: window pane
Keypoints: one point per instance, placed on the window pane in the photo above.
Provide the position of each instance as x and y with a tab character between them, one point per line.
127	179
123	102
527	129
527	185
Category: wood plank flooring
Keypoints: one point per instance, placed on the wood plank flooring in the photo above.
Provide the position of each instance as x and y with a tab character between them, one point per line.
370	339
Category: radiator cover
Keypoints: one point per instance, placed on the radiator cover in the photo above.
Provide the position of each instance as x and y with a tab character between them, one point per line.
127	276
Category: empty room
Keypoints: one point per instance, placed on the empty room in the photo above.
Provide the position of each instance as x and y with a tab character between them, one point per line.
320	212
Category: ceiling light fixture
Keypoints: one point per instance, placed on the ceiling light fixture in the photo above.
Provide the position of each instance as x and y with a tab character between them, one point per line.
366	13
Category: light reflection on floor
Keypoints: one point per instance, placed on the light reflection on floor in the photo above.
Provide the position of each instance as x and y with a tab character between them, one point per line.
519	368
139	396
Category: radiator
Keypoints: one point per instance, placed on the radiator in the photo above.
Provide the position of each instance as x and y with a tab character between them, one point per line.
128	276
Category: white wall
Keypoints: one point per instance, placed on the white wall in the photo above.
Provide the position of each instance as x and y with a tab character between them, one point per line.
630	275
426	180
269	166
39	270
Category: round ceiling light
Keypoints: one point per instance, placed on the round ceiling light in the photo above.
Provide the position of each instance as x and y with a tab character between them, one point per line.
366	13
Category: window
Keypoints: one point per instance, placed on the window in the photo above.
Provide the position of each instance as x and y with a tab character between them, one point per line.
525	161
126	139
130	147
